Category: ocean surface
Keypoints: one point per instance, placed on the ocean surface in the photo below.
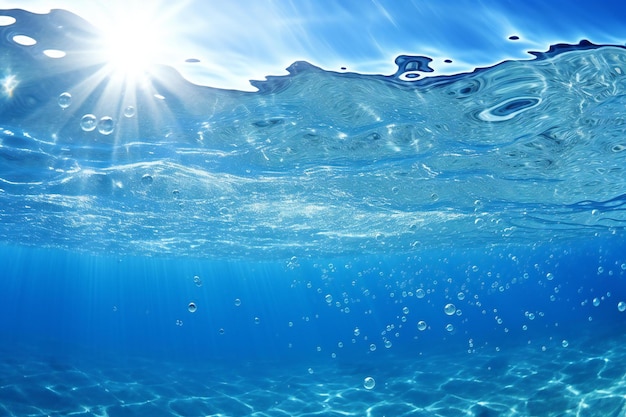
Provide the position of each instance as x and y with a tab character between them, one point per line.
328	242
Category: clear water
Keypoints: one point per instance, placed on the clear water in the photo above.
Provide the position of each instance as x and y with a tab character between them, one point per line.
334	243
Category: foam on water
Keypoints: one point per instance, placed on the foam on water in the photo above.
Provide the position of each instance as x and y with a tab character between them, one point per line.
317	161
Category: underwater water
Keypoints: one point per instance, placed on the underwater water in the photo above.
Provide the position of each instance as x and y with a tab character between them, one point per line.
334	242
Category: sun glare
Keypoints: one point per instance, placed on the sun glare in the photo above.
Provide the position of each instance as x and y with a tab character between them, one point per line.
132	45
8	85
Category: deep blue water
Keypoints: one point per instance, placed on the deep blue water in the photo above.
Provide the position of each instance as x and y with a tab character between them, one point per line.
334	243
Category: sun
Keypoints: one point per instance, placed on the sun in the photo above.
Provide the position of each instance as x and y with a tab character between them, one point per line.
137	36
131	47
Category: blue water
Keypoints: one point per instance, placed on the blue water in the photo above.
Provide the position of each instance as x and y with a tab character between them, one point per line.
334	242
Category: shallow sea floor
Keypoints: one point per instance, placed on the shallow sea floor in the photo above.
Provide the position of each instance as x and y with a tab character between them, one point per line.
582	379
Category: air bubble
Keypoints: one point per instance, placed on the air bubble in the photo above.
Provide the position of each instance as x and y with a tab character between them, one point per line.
369	383
405	310
106	125
88	122
192	307
421	325
420	293
54	53
549	276
596	302
7	20
449	327
328	298
565	343
24	40
372	347
460	296
237	302
449	309
621	306
257	320
197	281
357	331
64	100
129	111
146	179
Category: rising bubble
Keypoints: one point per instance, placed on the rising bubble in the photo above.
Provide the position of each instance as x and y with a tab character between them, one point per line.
197	281
106	125
237	302
449	327
621	306
192	307
257	320
565	343
328	298
596	302
64	100
88	122
147	179
421	325
449	309
369	383
420	293
129	111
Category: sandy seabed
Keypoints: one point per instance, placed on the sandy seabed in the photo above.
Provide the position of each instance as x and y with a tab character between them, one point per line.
588	379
